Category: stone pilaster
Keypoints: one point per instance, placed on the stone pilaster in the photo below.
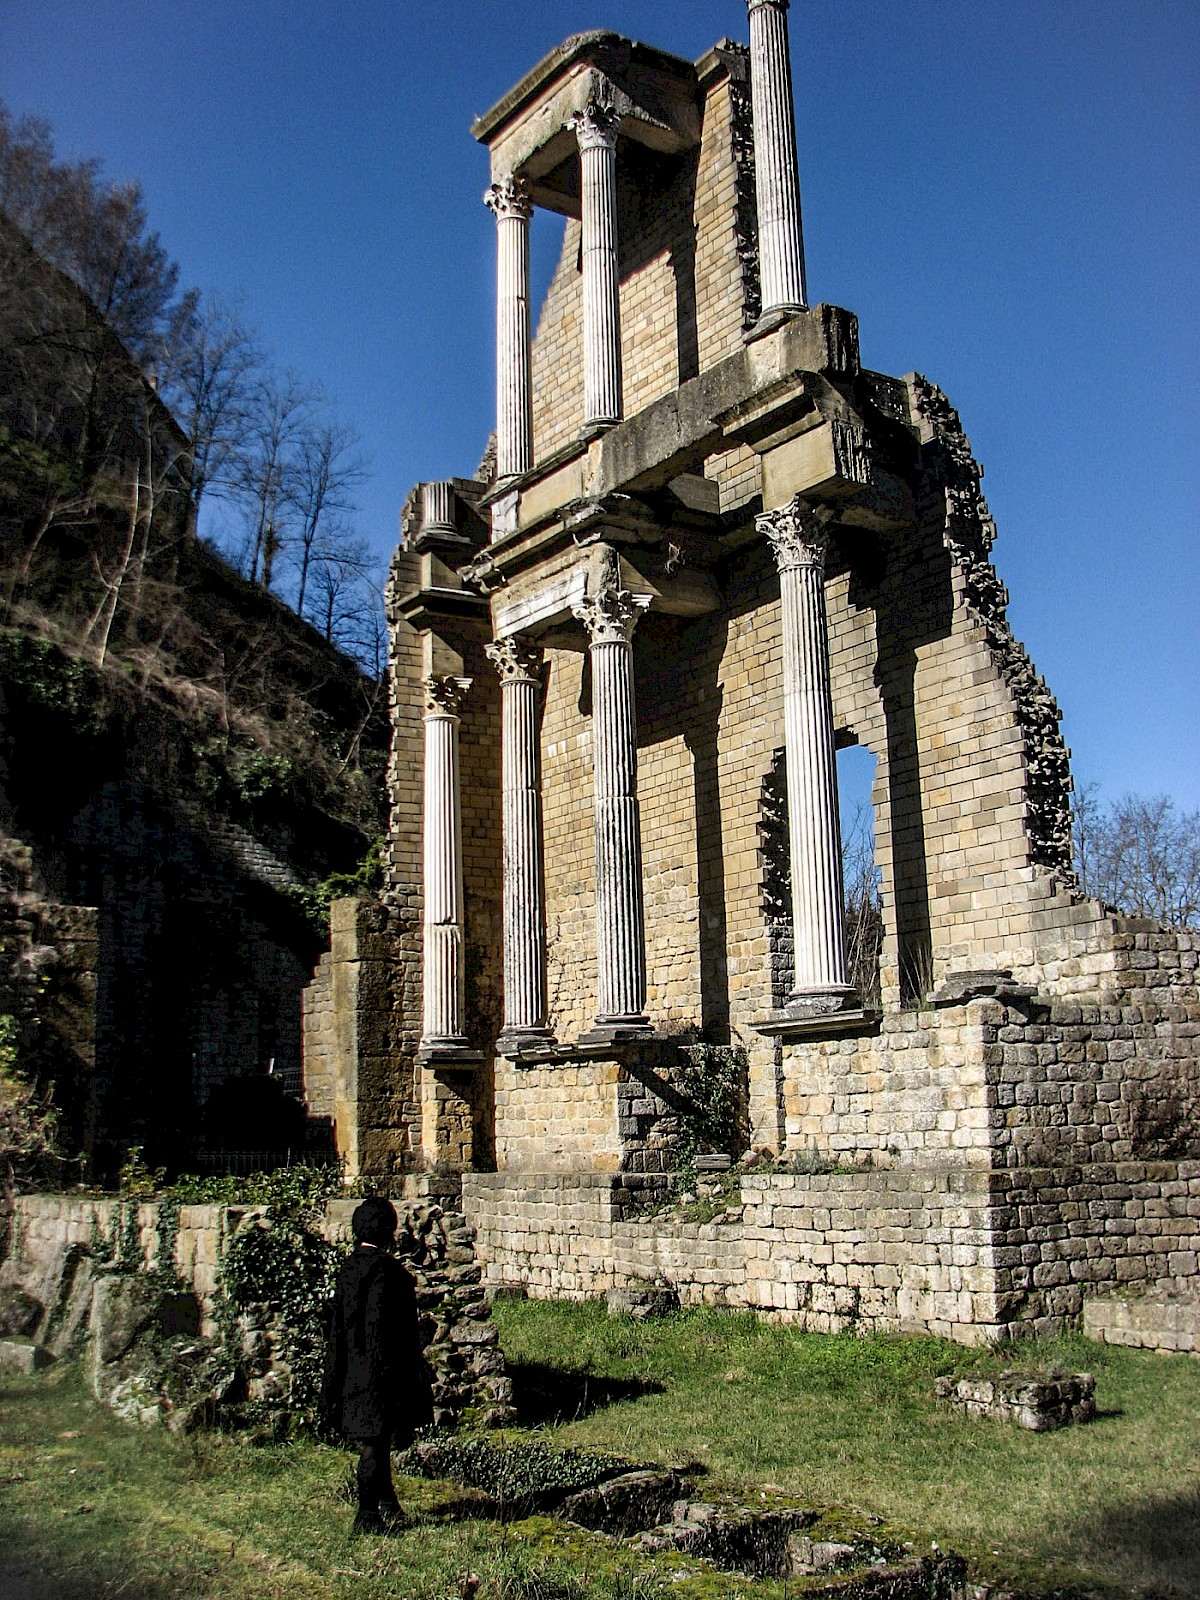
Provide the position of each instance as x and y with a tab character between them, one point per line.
512	208
519	665
777	180
610	617
444	998
596	131
798	536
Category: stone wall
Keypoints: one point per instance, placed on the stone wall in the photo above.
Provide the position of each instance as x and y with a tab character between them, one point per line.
59	1246
357	1075
961	1253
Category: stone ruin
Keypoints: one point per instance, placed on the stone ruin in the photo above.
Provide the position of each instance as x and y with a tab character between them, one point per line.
708	549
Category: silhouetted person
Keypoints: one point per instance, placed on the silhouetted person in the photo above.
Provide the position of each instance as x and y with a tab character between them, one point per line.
377	1386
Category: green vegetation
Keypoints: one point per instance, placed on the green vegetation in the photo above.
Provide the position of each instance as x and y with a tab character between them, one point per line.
852	1421
1111	1508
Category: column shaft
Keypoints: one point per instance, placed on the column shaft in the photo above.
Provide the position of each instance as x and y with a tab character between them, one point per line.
444	997
799	539
610	617
514	413
596	131
776	170
519	666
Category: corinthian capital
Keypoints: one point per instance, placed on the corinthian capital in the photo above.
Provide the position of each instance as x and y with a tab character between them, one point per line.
444	696
595	127
798	533
611	615
509	198
516	660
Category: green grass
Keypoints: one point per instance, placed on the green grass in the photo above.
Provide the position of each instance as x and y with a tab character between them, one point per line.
841	1421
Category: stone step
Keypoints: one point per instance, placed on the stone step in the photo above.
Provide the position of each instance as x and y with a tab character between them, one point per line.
1167	1319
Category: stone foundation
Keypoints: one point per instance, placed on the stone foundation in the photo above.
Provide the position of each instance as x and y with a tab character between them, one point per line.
964	1254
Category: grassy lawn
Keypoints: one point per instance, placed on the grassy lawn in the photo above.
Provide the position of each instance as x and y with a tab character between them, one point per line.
91	1508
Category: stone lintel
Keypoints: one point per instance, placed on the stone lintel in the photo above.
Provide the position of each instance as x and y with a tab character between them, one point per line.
824	462
530	1047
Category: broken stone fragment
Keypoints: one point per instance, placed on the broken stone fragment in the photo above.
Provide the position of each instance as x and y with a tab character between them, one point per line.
641	1301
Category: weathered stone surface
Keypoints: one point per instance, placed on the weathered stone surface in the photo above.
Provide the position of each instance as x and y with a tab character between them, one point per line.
642	1301
1038	1401
124	1305
22	1356
624	1505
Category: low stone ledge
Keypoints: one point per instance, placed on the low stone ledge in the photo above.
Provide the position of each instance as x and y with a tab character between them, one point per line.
1040	1402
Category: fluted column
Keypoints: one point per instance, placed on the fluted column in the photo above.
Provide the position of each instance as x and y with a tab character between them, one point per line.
442	1025
799	540
610	617
776	171
519	665
512	208
596	131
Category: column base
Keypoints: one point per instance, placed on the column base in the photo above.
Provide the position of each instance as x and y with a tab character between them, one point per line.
818	1012
821	1002
594	427
449	1051
617	1030
770	320
516	1042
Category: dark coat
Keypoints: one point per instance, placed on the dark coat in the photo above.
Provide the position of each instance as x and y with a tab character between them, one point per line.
377	1382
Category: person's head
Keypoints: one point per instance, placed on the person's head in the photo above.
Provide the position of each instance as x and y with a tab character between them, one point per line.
374	1222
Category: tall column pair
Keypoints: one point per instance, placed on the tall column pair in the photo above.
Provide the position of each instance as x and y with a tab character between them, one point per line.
595	129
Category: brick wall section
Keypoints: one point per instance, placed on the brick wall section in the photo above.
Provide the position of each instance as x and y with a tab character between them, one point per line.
319	1037
1105	1074
1061	1235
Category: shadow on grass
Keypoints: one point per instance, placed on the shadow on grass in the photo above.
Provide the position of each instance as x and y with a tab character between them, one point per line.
544	1394
1157	1539
25	1580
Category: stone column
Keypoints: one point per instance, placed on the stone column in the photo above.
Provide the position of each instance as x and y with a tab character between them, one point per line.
442	1026
520	667
596	131
799	539
610	617
512	208
776	171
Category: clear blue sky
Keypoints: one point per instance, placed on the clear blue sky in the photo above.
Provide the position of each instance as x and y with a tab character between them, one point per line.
1007	195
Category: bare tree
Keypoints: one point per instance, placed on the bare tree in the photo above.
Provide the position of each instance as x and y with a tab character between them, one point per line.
211	376
347	585
863	900
327	471
266	482
1139	854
